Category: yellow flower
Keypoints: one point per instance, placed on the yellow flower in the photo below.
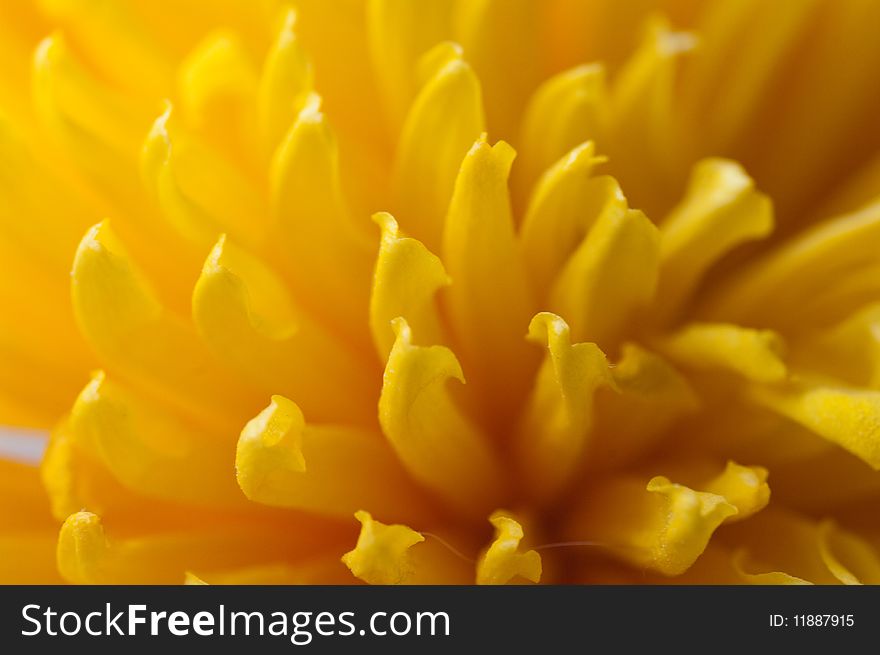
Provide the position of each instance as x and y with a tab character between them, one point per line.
574	319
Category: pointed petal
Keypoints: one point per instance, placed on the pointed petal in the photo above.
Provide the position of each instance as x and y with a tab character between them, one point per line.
444	121
282	461
285	82
563	207
437	443
612	274
326	258
721	209
566	110
405	283
200	192
559	414
488	300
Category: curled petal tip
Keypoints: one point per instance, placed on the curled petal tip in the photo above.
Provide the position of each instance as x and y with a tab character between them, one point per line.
381	555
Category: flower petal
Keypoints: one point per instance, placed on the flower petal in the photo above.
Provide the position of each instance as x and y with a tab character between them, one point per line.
845	416
611	275
405	283
282	461
563	206
566	110
440	446
488	300
381	555
286	79
663	527
444	121
754	354
721	209
559	414
199	190
502	562
325	256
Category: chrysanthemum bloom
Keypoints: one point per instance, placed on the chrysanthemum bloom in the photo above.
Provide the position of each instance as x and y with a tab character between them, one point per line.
620	276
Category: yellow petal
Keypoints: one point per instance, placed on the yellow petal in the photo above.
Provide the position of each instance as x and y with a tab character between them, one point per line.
502	562
612	274
286	79
565	111
400	32
149	449
327	259
381	555
405	283
663	527
489	303
440	446
442	124
754	354
564	205
200	192
330	470
559	414
744	487
140	340
721	209
846	416
245	314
